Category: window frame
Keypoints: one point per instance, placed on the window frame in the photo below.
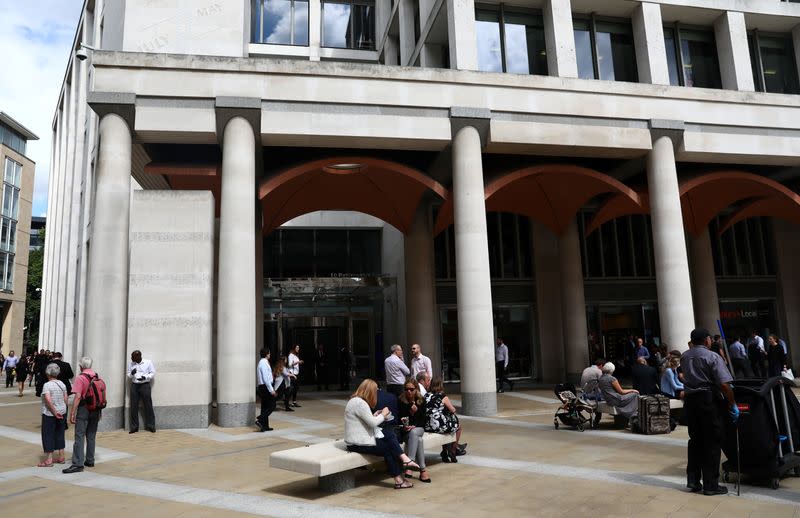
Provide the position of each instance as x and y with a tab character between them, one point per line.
259	6
591	20
350	45
760	82
676	29
501	10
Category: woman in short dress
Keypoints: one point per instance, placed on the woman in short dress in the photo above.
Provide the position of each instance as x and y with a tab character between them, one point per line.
442	418
23	367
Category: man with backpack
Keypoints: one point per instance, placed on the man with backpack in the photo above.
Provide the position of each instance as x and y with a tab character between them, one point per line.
90	399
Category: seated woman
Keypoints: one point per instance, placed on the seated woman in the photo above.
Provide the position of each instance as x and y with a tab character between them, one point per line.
442	418
626	401
362	435
671	385
413	416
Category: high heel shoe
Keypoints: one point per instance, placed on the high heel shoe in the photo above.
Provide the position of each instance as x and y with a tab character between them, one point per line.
445	456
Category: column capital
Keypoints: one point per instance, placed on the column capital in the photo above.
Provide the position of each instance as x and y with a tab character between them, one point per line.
119	103
478	118
673	129
226	108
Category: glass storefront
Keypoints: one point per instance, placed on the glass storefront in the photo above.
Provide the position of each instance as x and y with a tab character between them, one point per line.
514	323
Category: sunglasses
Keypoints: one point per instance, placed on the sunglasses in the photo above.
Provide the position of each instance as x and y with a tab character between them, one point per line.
410	388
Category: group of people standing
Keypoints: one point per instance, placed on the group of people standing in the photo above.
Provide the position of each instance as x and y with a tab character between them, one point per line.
749	360
277	383
31	367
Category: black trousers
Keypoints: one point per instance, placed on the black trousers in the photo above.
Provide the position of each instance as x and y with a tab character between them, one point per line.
9	376
140	392
704	417
268	404
500	369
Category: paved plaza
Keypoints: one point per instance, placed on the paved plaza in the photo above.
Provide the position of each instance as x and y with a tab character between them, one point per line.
517	465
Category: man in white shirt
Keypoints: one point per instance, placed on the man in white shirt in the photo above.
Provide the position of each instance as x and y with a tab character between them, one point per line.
265	391
9	365
396	371
424	382
501	364
592	372
741	365
293	364
420	362
141	373
756	354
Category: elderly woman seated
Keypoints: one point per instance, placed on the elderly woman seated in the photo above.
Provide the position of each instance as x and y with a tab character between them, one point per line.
626	401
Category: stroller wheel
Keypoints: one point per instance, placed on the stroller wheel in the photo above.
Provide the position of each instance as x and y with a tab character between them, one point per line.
774	483
581	427
555	423
726	477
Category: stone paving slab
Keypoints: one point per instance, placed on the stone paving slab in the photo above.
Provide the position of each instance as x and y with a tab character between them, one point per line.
517	465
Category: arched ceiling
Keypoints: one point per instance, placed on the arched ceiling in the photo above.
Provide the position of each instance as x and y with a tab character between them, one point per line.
387	190
552	194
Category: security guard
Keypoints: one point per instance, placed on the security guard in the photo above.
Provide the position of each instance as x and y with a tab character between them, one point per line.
707	396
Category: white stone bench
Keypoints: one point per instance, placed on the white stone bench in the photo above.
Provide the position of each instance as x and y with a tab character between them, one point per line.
604	408
334	465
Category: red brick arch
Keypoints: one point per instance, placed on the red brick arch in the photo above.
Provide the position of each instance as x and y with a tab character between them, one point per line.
551	194
381	188
705	196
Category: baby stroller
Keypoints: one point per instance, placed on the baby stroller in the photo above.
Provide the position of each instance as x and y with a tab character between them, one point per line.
574	411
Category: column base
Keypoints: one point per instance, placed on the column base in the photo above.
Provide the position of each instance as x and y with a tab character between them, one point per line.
178	416
338	482
232	415
479	404
111	419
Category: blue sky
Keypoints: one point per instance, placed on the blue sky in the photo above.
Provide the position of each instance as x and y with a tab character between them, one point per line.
35	40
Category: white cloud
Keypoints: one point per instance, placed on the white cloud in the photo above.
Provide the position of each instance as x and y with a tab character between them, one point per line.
35	40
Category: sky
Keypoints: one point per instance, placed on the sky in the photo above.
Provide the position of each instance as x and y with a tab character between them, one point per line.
35	41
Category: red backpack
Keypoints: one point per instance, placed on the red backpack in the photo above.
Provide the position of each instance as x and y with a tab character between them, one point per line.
95	395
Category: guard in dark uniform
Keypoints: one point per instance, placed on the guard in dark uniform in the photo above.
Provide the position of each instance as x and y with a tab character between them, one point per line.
708	400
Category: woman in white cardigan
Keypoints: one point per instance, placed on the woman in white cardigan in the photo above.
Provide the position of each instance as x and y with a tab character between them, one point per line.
363	435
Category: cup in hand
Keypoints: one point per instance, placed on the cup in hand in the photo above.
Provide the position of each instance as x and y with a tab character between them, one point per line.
404	420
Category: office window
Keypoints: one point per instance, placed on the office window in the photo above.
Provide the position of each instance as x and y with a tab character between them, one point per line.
744	250
619	248
280	22
12	139
12	176
510	41
692	57
605	50
510	251
349	25
773	61
292	252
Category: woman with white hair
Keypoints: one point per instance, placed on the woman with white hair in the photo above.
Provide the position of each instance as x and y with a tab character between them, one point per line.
54	411
626	401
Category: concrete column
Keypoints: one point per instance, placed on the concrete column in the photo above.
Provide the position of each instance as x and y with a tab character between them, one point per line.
107	292
461	34
236	311
704	282
669	244
648	36
559	39
45	312
547	266
730	31
408	40
391	52
573	304
473	285
421	289
787	248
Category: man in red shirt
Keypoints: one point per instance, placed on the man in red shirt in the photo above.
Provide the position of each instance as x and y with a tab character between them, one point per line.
85	422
